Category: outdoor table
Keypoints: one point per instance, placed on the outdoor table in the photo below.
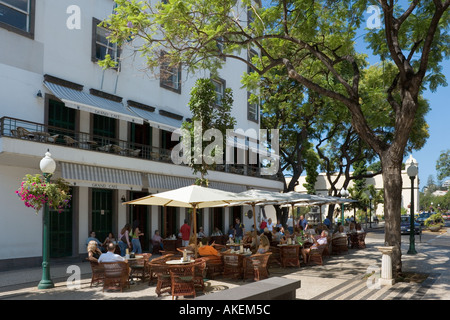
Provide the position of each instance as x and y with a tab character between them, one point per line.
289	254
132	262
233	264
179	261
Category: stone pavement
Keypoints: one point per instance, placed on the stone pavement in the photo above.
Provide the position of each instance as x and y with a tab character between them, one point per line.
342	277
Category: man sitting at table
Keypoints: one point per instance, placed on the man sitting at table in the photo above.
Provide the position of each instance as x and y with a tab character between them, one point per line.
110	256
320	241
207	250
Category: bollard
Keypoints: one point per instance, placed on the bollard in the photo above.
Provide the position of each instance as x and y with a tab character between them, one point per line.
386	266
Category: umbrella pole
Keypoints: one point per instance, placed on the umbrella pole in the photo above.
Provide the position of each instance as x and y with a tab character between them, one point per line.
195	230
254	224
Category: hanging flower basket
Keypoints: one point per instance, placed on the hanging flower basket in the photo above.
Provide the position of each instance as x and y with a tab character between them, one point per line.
35	192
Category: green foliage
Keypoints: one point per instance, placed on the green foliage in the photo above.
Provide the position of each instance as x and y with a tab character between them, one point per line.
207	113
435	220
443	165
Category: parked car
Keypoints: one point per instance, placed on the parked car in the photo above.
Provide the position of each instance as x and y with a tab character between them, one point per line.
422	217
405	226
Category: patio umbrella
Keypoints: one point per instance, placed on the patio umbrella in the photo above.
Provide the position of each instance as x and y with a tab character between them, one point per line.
193	196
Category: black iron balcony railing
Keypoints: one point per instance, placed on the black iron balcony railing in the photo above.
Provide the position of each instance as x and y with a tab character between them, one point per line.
37	132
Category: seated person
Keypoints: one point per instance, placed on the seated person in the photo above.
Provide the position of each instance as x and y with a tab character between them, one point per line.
340	232
217	232
207	250
201	233
277	234
264	244
268	234
93	238
157	240
110	256
320	241
359	228
93	250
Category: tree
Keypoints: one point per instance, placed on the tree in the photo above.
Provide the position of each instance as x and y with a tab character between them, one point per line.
313	41
443	165
210	121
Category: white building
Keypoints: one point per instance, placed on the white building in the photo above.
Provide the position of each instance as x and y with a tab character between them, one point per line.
322	186
50	84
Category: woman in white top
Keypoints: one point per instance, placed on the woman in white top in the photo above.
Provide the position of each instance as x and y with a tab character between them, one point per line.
270	225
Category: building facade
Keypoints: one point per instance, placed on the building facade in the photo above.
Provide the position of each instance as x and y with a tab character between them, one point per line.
110	131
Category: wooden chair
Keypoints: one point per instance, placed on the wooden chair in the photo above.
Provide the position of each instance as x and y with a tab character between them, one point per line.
358	240
214	266
182	280
141	267
275	257
339	245
14	133
160	270
70	141
23	133
316	255
200	273
117	275
98	272
233	266
290	256
256	266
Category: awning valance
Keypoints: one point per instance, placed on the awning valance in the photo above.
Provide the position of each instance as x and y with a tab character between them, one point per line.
157	120
100	177
81	100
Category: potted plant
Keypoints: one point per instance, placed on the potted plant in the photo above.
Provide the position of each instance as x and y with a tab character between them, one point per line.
34	191
435	222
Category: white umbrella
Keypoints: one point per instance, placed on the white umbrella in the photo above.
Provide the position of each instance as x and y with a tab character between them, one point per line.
195	197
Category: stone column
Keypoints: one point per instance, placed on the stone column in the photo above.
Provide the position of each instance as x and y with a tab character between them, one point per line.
386	266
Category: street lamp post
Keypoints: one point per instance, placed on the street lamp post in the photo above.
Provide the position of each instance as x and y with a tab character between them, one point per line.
370	212
344	194
48	167
412	173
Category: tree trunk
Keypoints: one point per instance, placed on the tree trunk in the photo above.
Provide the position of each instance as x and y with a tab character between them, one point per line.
392	181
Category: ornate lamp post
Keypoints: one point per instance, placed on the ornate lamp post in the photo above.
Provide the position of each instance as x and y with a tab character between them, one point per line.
344	194
370	212
412	173
48	167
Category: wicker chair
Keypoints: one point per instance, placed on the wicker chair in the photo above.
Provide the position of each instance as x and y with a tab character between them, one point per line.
339	245
141	267
275	257
316	255
98	272
358	240
160	270
256	266
233	266
117	275
182	280
70	141
214	266
23	133
199	273
290	256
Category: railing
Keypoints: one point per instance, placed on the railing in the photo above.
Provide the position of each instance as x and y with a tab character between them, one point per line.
37	132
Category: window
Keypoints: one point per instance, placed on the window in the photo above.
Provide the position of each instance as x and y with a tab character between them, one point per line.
170	75
251	53
220	86
101	46
252	110
18	16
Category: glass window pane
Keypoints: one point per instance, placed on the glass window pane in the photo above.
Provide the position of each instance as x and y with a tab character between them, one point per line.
13	18
19	4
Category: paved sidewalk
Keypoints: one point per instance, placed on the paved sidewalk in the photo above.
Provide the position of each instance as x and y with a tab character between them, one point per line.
342	277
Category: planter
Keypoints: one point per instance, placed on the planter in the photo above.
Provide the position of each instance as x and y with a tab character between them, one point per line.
435	228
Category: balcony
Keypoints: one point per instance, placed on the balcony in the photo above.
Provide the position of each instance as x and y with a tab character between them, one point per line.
40	133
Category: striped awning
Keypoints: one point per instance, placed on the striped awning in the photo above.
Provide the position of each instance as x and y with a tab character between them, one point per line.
85	101
157	120
164	182
100	177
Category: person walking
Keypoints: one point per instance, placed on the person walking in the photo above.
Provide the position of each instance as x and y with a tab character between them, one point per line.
185	231
124	239
239	230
